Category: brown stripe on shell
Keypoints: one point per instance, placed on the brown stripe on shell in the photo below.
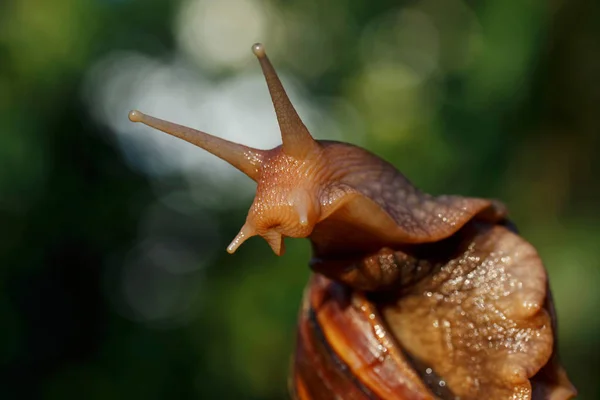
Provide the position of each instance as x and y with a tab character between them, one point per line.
366	354
318	372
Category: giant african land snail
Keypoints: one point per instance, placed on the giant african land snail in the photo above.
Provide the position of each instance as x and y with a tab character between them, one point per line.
413	296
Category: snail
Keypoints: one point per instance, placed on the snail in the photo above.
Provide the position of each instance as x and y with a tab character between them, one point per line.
412	296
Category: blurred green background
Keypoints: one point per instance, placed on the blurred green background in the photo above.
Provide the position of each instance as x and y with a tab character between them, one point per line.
115	283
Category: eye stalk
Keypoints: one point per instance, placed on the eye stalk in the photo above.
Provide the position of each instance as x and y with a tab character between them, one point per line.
287	201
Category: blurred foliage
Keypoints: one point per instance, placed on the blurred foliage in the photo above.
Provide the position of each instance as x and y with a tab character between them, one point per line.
483	98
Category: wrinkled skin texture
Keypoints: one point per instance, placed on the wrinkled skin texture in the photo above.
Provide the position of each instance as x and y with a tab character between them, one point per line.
479	320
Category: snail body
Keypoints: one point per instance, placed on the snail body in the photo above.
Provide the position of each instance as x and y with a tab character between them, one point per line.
413	296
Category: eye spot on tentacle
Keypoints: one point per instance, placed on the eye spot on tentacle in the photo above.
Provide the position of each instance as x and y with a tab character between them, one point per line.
258	49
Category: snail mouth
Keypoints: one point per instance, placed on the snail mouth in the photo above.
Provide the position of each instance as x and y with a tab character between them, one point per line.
273	227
